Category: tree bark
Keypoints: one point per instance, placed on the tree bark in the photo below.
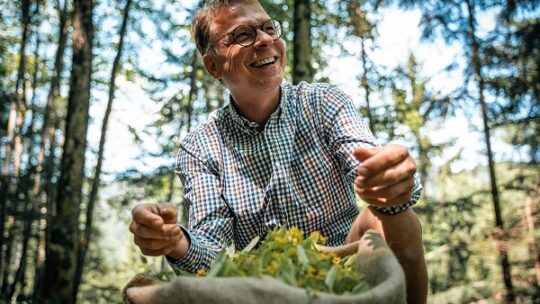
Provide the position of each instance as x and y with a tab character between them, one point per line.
499	232
85	240
302	69
62	248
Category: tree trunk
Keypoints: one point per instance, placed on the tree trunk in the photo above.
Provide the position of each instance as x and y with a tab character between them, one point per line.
62	248
28	218
302	70
54	93
46	208
44	194
17	106
530	215
10	244
365	84
85	240
19	282
189	112
499	232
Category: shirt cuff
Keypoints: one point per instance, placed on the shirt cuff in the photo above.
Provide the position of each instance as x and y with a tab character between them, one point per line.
191	261
417	191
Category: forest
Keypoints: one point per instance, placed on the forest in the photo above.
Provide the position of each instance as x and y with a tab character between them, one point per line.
95	97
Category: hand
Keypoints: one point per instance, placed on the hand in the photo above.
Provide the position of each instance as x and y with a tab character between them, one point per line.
156	231
386	175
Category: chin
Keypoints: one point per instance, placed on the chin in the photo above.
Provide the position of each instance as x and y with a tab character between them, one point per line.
269	83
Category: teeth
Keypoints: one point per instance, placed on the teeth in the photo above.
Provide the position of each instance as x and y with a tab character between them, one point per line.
264	61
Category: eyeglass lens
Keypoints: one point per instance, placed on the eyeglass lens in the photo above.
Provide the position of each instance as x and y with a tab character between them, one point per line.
245	34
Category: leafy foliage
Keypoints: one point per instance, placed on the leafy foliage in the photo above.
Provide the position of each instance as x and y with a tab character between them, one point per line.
288	256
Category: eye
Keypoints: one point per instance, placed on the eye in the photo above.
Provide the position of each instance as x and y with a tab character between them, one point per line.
243	34
271	27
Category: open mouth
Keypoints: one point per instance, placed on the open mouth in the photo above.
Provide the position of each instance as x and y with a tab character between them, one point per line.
264	62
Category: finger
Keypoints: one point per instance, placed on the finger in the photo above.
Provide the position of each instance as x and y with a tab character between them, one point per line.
154	244
148	215
362	154
168	213
382	160
388	192
161	251
165	232
150	244
383	202
390	176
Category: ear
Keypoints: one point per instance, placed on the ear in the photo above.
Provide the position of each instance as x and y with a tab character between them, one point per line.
210	63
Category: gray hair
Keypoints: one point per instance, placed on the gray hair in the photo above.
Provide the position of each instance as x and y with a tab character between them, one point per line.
202	20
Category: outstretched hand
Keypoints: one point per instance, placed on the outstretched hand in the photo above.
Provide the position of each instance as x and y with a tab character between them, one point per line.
156	231
385	176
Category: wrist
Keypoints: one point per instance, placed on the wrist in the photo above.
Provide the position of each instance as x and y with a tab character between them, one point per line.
181	249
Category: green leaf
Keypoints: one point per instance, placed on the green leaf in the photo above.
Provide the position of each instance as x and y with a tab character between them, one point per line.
230	251
302	257
351	260
217	264
331	277
251	244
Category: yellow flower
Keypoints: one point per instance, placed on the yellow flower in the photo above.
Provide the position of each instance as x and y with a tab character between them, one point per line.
201	272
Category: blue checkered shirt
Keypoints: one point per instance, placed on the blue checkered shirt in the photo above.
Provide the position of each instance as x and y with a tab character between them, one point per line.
242	179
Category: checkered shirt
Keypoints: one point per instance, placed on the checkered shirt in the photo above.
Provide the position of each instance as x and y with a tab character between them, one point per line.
242	179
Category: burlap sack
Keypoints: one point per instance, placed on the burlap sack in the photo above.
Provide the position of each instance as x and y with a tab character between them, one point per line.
375	260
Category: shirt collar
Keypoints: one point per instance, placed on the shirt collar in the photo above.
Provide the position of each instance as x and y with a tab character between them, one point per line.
250	126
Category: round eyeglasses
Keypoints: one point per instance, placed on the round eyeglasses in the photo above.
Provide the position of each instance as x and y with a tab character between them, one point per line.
245	35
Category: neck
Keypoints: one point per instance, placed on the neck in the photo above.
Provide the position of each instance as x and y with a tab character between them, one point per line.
257	107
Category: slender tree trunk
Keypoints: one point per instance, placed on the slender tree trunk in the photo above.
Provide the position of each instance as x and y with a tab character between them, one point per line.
54	93
85	240
4	184
302	70
499	232
15	119
18	281
10	244
365	84
189	111
17	106
47	206
44	193
64	228
530	215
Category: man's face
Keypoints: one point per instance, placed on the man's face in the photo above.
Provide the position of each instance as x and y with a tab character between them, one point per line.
242	68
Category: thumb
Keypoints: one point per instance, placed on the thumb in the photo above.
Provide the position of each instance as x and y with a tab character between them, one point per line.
168	213
362	154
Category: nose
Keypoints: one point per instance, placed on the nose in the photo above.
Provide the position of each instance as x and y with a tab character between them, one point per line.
262	39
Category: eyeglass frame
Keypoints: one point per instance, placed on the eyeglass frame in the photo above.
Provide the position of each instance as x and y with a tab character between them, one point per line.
255	28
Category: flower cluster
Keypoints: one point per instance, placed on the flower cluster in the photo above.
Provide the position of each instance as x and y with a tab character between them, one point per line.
288	256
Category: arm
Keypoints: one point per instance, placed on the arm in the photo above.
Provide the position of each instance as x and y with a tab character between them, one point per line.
210	220
384	176
210	223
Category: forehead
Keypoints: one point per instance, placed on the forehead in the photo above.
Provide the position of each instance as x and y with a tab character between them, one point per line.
227	18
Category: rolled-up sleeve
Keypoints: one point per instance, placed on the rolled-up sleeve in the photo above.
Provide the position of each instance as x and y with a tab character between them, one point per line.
345	130
210	219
